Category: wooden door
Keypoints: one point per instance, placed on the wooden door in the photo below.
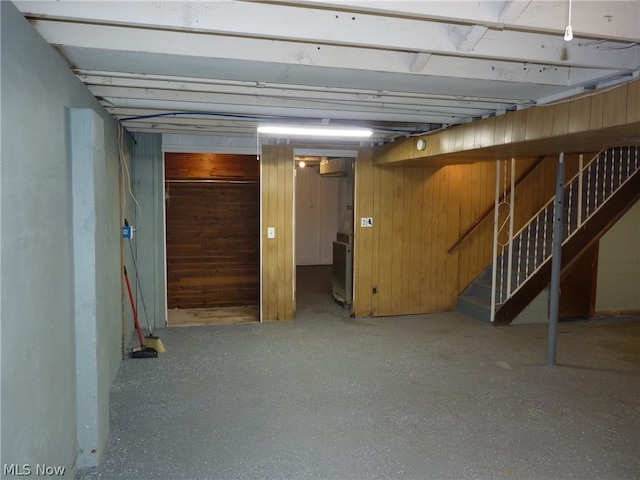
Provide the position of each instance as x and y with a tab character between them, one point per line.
213	228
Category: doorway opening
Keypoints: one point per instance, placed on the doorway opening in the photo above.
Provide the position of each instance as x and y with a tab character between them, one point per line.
324	199
212	204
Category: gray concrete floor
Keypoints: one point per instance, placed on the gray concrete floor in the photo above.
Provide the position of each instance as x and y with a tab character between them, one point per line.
417	397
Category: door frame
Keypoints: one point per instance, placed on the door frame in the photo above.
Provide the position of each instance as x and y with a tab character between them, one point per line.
323	152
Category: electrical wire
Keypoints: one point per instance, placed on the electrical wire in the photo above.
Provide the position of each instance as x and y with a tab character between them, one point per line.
259	117
125	169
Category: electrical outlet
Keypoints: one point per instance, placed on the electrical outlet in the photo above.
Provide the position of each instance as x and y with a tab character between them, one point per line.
366	222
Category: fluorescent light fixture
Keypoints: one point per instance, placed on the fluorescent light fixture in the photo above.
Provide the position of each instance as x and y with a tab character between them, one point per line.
313	131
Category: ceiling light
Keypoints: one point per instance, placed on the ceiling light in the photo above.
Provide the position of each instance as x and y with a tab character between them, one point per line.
568	33
308	131
301	164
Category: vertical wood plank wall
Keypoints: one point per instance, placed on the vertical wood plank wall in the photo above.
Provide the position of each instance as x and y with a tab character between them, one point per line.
419	212
277	253
576	122
403	257
212	225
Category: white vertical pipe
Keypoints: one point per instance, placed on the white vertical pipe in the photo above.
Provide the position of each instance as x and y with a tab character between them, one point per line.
569	207
589	168
611	167
580	169
544	235
495	243
596	183
535	245
512	203
554	300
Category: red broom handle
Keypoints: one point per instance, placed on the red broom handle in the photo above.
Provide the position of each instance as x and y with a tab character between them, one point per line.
133	307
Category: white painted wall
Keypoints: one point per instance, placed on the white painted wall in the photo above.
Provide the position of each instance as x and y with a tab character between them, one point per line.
317	216
618	287
41	393
173	142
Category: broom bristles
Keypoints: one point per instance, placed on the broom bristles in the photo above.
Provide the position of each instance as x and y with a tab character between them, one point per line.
155	343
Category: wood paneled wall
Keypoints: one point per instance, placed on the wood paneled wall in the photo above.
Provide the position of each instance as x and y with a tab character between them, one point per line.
189	166
278	267
213	235
403	257
588	122
419	212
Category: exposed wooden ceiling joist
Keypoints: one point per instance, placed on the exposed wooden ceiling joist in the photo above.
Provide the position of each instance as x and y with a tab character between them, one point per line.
400	67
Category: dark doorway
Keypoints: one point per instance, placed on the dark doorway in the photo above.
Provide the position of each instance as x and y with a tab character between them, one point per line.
578	286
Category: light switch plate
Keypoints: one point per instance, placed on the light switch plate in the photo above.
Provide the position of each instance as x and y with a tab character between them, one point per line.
271	232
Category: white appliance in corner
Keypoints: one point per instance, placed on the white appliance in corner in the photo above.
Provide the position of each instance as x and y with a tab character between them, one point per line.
342	269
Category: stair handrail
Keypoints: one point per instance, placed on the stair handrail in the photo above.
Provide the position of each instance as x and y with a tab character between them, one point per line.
580	222
566	185
487	212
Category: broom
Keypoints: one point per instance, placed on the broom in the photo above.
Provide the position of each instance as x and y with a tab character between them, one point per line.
151	340
142	351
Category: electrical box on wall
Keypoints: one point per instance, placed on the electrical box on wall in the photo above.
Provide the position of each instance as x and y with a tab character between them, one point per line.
127	232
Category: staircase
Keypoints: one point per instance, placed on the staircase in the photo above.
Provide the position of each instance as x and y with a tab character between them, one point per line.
594	199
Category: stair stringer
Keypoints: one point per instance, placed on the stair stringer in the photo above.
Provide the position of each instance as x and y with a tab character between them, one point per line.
592	230
475	299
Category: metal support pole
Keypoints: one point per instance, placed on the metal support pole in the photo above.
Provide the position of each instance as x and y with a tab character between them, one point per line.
494	267
554	299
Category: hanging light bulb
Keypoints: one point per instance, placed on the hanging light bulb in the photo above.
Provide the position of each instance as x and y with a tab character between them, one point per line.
568	33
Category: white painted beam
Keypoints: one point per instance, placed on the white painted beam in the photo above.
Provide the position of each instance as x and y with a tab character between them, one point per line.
265	101
202	47
281	111
200	128
608	19
321	28
512	11
420	62
471	39
110	86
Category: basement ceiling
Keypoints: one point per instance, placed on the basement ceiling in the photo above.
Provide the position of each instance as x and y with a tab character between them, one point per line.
400	67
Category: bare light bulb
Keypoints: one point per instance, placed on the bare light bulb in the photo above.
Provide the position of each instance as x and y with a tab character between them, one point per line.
568	34
301	164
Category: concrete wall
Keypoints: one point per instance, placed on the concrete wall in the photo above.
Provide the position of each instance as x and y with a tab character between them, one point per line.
40	390
618	287
149	240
